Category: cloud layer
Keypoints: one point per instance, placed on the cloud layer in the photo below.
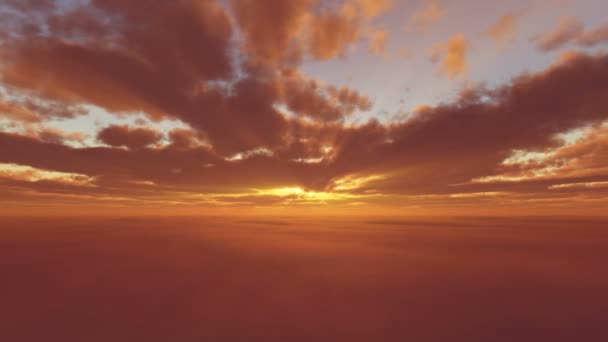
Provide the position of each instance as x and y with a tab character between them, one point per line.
259	131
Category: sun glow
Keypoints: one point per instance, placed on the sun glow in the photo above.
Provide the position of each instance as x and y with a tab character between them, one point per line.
281	192
298	194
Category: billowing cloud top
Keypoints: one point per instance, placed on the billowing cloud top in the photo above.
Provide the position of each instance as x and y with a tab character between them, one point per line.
273	105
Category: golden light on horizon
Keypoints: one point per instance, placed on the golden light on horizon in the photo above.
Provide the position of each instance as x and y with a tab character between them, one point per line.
300	194
236	104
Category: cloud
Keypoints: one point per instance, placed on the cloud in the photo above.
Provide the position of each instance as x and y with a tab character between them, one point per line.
331	34
569	31
428	16
57	136
26	107
284	32
271	26
438	151
133	138
186	139
452	55
504	29
594	37
473	136
378	39
161	75
29	174
255	124
204	87
374	8
309	97
586	158
17	112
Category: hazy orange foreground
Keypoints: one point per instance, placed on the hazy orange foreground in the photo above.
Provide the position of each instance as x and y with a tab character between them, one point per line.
289	279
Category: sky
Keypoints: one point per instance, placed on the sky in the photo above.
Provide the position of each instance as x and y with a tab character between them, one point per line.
303	107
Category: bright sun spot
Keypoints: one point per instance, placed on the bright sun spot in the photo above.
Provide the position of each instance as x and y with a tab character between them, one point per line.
301	194
281	192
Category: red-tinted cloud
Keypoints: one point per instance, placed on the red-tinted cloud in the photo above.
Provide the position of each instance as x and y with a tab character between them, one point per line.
284	32
313	98
133	138
452	56
571	30
504	29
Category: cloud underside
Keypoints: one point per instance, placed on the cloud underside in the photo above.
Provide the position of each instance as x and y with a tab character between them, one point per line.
263	133
571	31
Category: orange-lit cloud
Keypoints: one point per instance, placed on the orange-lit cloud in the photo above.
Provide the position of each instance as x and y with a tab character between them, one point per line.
567	30
280	32
504	29
431	14
16	112
313	98
373	8
368	160
332	34
270	27
570	30
57	136
378	39
594	36
452	56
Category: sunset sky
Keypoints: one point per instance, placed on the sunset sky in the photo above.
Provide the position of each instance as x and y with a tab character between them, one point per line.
304	106
303	170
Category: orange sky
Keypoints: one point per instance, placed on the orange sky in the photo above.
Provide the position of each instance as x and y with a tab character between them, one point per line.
224	107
